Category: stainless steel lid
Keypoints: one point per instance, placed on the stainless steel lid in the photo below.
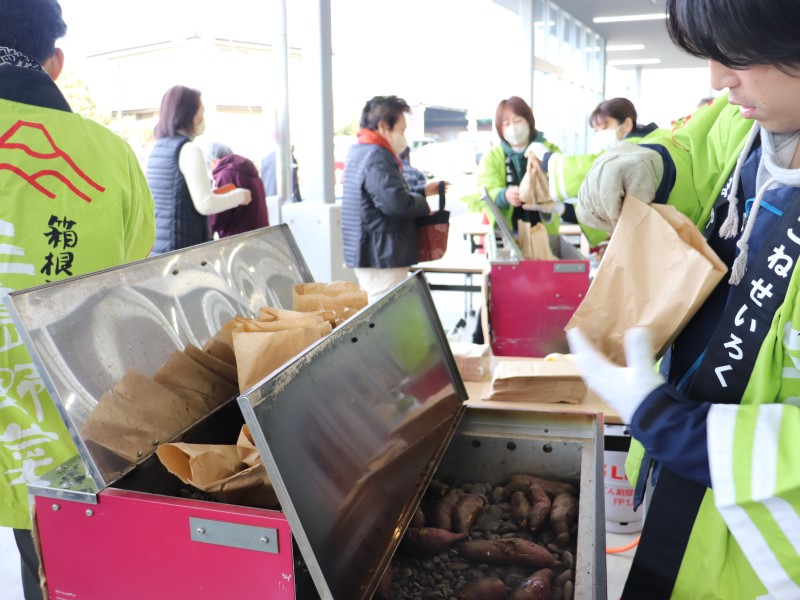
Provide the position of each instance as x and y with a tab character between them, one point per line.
86	333
351	433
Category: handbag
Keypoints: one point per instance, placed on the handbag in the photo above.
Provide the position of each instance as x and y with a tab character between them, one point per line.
432	231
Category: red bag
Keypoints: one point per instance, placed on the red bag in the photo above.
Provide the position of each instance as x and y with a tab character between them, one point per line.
432	231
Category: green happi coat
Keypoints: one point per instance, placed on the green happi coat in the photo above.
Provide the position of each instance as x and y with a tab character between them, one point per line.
74	200
745	540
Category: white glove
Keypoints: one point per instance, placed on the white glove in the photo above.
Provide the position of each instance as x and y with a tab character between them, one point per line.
623	388
554	207
538	149
624	169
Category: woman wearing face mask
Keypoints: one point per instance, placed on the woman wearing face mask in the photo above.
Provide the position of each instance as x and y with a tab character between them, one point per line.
612	120
502	168
378	209
177	175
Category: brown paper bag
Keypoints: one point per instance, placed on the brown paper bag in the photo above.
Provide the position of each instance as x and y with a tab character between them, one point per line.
534	242
656	272
224	369
537	381
136	414
534	190
246	447
262	346
220	471
191	380
220	346
342	298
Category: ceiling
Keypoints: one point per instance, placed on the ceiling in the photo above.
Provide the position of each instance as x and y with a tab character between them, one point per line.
652	34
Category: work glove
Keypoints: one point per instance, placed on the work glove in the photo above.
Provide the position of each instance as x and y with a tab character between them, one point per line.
623	388
624	169
537	149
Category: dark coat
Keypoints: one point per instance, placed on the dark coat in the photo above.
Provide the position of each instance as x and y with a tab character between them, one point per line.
378	211
242	173
178	224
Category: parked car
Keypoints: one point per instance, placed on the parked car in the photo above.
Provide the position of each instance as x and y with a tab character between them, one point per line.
444	160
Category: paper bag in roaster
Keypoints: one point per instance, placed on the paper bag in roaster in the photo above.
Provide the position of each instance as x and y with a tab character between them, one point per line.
263	346
534	242
656	272
137	414
220	471
343	298
189	379
220	345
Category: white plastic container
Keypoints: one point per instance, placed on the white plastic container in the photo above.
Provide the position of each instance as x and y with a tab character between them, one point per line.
620	516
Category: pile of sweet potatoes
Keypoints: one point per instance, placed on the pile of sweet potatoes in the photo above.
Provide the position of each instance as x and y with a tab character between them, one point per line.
478	542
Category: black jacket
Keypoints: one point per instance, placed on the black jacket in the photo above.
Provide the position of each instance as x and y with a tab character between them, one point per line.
378	210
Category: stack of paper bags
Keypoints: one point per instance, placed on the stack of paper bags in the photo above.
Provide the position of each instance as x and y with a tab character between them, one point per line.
537	380
262	345
341	299
140	412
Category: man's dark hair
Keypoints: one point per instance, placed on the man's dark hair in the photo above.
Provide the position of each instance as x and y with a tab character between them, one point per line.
383	108
615	108
738	33
178	108
31	26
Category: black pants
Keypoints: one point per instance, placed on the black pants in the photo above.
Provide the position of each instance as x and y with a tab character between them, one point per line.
29	564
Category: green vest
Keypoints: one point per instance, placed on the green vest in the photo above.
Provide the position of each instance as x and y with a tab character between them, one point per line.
492	176
74	200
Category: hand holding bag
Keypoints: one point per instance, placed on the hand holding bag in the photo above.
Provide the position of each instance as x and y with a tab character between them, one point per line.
432	231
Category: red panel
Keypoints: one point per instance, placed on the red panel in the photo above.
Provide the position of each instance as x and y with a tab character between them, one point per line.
139	546
530	303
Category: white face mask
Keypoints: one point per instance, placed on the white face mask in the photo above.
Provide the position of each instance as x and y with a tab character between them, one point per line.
398	142
200	128
517	134
602	140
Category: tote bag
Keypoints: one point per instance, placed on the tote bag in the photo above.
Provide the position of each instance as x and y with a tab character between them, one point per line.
432	231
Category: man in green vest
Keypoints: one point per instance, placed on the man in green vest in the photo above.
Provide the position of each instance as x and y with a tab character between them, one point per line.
718	428
73	200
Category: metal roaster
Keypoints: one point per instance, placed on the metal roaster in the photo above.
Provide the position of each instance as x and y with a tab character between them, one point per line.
351	431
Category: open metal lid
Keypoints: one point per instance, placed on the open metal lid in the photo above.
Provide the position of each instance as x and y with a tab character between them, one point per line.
504	249
84	334
351	432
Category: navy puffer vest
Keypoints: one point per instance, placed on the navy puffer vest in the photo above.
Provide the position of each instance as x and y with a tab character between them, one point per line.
178	224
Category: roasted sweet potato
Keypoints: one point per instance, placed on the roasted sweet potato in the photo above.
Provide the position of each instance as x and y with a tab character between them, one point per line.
430	540
563	513
520	483
540	506
485	588
442	515
520	509
508	551
535	587
466	511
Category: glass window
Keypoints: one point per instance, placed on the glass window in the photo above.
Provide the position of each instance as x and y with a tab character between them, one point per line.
539	31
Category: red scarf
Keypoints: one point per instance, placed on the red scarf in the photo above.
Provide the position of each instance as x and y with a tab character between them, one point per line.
368	136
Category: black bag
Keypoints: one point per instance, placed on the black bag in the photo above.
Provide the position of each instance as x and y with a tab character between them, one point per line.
432	231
